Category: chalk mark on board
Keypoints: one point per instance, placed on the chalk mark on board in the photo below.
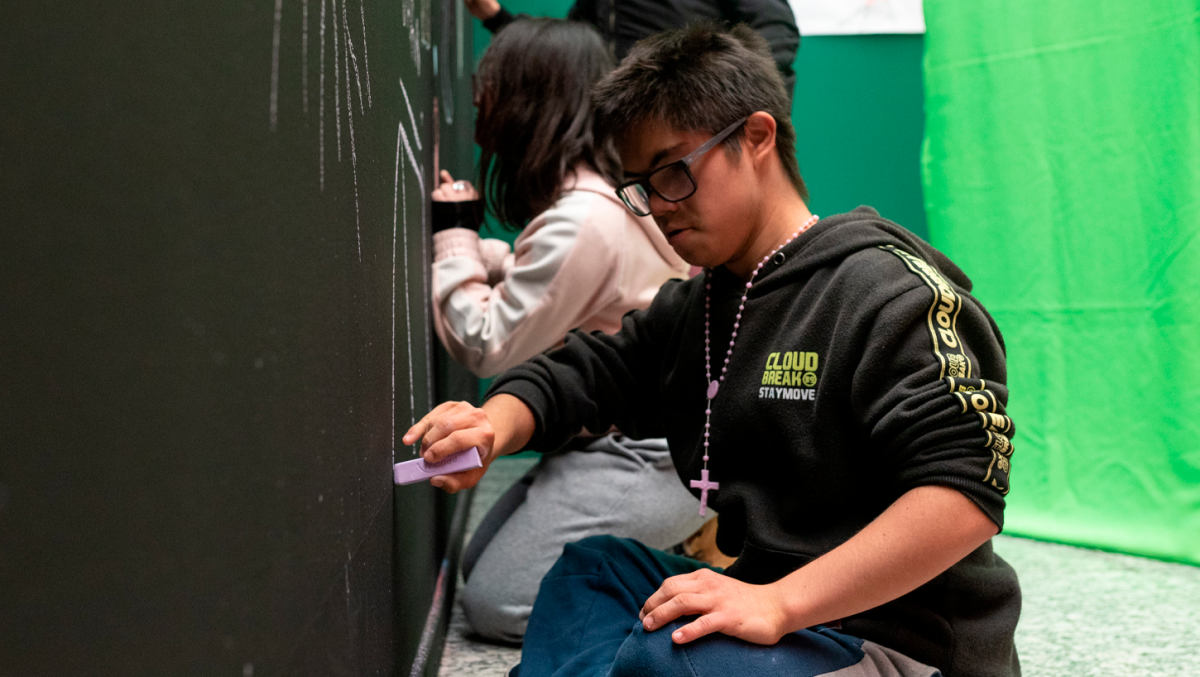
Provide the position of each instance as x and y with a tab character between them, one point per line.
410	21
346	59
395	230
321	134
412	159
401	137
362	13
350	609
337	82
275	66
412	118
353	60
304	52
354	168
416	166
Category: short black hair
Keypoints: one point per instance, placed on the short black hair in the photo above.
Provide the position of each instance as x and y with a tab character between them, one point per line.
702	77
536	120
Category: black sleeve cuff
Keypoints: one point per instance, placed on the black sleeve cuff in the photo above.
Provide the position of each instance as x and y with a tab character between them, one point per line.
466	214
498	20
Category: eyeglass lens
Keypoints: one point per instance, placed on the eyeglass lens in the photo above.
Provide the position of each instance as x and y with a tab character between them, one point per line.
634	196
671	182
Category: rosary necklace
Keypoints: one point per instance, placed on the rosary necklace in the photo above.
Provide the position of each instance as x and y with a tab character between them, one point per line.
703	484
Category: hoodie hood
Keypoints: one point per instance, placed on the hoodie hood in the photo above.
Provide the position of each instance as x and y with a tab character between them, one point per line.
836	238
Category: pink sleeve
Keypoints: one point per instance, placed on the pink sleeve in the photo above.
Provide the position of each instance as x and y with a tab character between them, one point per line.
565	268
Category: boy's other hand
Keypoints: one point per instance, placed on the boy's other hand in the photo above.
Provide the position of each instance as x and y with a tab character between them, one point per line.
453	191
724	604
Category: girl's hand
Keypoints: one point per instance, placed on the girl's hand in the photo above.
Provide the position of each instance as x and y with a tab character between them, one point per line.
454	191
482	9
726	605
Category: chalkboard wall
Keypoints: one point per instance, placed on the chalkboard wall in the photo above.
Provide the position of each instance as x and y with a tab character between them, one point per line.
214	329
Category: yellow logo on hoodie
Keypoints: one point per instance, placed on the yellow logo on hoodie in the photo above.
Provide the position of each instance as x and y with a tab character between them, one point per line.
792	368
795	371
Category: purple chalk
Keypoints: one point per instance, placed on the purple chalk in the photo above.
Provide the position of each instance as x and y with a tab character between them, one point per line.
417	470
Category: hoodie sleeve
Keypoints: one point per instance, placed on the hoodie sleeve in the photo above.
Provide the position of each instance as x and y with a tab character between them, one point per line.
930	391
596	381
565	269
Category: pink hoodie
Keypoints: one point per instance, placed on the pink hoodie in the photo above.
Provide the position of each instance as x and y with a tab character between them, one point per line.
583	263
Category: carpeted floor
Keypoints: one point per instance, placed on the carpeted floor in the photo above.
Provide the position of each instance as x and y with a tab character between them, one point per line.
1086	613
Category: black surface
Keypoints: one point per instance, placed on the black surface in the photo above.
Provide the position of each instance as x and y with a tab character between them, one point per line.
196	341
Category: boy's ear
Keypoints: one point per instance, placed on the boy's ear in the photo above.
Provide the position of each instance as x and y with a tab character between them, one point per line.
759	138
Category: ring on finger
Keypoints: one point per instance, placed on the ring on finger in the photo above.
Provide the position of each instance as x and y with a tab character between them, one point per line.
459	185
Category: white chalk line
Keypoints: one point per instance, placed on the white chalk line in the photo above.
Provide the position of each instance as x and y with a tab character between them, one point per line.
353	60
304	53
412	402
362	12
412	118
395	229
354	170
337	82
322	114
417	169
427	299
346	59
275	66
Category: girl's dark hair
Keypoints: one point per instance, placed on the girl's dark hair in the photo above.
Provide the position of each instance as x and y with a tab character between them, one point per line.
536	120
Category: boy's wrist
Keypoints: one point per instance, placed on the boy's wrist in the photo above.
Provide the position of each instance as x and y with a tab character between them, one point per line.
794	613
512	424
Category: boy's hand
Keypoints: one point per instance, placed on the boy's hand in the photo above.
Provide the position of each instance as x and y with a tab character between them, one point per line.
724	604
456	426
450	428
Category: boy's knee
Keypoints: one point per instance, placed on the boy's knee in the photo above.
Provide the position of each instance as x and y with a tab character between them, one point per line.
603	544
593	546
650	653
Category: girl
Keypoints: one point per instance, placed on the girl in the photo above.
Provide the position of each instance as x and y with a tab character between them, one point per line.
582	261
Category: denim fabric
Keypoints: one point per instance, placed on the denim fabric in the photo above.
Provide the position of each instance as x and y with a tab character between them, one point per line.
585	624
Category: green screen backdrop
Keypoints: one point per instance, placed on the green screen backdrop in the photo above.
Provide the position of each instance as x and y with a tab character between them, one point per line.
1062	172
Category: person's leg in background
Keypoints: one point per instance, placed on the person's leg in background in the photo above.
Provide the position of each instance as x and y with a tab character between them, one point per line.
617	486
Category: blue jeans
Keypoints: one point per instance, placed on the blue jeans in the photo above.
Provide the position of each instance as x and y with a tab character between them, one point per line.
614	486
585	624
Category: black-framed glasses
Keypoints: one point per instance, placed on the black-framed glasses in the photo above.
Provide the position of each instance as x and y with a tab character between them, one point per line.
673	182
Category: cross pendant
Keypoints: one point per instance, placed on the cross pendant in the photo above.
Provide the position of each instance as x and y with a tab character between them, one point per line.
704	485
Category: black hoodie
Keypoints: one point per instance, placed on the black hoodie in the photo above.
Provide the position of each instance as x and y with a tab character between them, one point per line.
862	369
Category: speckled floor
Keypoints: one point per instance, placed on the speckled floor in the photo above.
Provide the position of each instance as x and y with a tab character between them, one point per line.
1086	613
466	655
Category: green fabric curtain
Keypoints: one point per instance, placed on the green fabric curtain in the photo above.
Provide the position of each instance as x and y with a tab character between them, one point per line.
1062	172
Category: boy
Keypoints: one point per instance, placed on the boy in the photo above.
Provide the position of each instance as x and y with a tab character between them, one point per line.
831	389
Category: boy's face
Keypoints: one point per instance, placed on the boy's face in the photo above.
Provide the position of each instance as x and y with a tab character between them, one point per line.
713	225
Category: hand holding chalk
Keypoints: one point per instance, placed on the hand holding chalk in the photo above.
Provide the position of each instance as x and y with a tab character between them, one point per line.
455	427
450	429
450	190
417	470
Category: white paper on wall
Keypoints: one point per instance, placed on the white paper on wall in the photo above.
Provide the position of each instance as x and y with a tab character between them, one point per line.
856	17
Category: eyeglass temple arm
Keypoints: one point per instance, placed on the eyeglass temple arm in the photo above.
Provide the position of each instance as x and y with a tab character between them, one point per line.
708	145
